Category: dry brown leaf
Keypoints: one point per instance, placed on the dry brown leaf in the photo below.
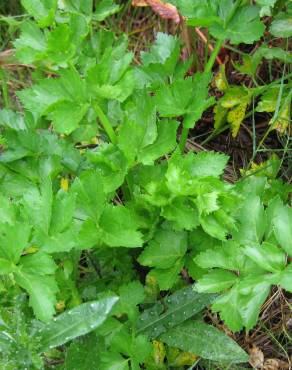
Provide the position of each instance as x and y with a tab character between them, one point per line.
256	358
6	56
164	10
275	364
271	364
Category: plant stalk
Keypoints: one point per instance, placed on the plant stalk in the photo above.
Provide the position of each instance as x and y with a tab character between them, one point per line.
211	61
106	124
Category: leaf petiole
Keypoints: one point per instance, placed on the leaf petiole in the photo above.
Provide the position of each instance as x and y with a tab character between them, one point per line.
106	124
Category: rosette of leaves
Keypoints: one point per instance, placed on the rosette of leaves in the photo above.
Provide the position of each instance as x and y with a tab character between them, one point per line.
188	194
244	268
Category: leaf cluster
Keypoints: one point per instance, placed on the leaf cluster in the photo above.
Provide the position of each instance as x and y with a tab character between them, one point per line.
104	220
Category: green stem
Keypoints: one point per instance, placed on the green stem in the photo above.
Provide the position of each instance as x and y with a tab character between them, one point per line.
183	138
5	91
215	52
106	124
208	68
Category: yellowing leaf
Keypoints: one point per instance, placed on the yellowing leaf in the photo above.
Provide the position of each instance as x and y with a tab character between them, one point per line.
180	358
94	140
220	116
269	168
283	119
64	184
158	352
60	306
31	250
220	79
235	117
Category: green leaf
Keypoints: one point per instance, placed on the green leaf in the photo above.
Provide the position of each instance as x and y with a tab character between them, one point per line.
13	240
173	310
90	197
241	305
203	14
89	235
282	25
161	51
286	278
166	278
60	242
130	295
267	256
77	6
185	97
205	341
11	119
212	226
227	256
7	210
282	226
251	62
216	281
244	27
119	228
173	100
66	116
82	353
252	299
252	221
206	164
136	348
104	9
31	44
38	263
75	322
60	48
141	349
199	99
266	6
182	213
225	19
49	93
38	205
6	267
62	211
42	293
164	144
229	308
207	202
164	249
114	361
139	129
42	10
112	164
